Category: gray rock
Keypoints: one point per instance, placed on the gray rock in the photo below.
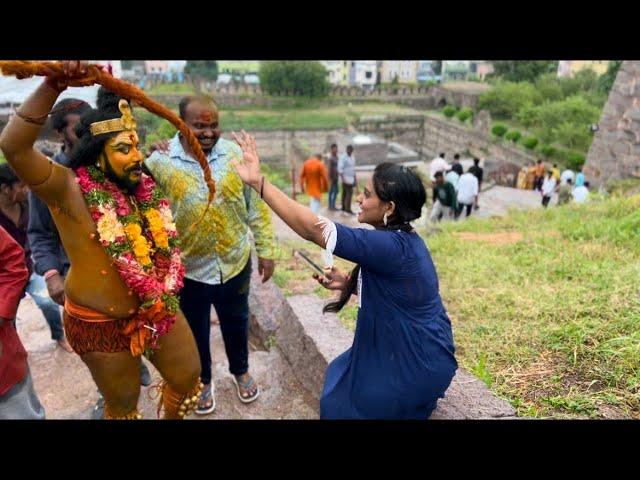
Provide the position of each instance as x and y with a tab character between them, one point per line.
310	340
267	306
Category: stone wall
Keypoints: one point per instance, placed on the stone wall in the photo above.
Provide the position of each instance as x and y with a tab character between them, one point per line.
429	136
421	98
615	151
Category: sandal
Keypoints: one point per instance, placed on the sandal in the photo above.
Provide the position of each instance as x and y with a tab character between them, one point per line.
206	396
245	386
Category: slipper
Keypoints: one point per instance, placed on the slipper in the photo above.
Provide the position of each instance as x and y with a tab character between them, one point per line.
206	394
246	386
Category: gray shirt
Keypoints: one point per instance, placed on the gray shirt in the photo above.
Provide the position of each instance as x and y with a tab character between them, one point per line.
347	168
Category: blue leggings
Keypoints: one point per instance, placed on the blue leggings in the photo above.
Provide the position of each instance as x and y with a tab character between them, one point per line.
37	288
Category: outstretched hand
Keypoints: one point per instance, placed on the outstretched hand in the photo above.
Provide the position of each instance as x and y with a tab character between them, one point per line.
333	279
249	167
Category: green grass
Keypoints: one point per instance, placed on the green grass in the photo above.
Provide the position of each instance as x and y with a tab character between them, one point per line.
2	160
171	89
549	322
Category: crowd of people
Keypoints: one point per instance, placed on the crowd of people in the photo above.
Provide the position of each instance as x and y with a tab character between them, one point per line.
454	190
138	250
569	185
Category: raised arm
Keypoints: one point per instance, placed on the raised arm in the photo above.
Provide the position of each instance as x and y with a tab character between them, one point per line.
300	218
18	137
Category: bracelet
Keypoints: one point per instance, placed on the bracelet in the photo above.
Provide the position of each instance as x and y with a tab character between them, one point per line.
262	186
41	120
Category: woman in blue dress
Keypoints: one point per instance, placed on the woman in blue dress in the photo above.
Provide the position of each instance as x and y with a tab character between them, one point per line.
402	357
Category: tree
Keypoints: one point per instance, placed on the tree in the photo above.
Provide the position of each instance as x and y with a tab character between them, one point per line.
518	71
436	66
605	82
298	78
206	69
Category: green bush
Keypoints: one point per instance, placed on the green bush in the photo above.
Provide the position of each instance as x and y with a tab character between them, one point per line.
549	87
464	114
530	142
505	99
513	135
499	130
449	111
575	160
574	136
548	151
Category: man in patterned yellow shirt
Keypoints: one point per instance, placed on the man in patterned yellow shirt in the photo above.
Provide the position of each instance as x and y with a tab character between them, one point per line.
216	253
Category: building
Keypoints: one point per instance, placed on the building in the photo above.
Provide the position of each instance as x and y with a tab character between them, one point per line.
402	70
363	73
568	68
338	71
156	67
455	70
115	66
176	66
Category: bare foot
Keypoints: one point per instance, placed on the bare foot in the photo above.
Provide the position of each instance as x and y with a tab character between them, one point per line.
64	344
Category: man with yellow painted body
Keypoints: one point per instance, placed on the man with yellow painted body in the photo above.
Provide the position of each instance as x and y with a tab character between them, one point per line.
104	316
217	252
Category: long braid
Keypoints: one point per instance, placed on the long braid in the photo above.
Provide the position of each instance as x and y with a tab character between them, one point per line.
95	75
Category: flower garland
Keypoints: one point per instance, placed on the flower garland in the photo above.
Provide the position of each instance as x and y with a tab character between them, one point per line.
143	241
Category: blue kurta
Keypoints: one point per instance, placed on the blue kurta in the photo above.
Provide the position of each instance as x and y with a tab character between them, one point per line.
402	357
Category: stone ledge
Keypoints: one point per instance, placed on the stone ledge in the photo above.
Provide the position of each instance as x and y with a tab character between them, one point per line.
267	308
309	340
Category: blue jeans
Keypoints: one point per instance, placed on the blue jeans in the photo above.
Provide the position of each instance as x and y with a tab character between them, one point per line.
231	301
333	195
37	288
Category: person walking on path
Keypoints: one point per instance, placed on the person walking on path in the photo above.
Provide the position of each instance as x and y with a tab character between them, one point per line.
314	181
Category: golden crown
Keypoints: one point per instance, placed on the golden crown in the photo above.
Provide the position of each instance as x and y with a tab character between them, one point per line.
126	122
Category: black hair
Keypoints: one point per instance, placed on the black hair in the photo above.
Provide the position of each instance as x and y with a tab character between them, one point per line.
186	101
7	175
457	167
442	155
89	147
476	161
64	108
456	156
397	184
568	180
349	147
438	174
586	184
334	145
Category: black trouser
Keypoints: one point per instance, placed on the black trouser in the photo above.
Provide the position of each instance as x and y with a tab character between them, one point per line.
231	301
462	206
347	192
545	200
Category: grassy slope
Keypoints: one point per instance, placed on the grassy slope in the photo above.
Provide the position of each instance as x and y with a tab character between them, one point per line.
550	321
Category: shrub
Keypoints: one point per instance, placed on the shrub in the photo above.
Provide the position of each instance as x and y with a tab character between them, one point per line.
499	130
530	142
575	160
513	135
548	151
297	78
464	114
449	111
574	136
505	99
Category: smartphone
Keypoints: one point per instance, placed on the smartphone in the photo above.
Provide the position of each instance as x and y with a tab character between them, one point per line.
311	263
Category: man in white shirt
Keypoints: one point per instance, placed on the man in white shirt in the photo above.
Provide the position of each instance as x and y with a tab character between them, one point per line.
581	193
548	187
453	178
347	172
566	175
467	192
438	164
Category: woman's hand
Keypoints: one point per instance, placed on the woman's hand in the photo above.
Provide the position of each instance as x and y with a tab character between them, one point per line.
249	168
333	279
